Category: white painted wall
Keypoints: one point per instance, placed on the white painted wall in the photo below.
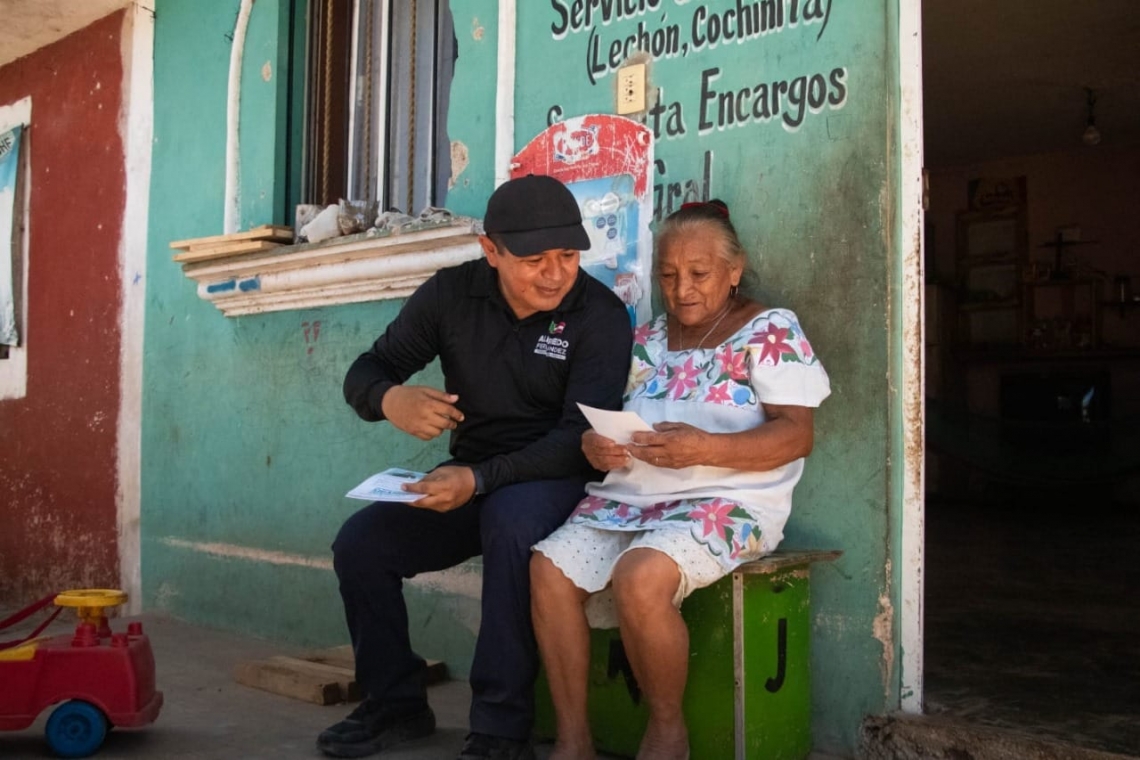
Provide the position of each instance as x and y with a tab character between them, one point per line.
31	24
136	125
913	372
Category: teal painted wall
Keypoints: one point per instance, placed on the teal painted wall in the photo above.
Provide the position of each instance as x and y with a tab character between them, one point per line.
471	118
248	447
810	192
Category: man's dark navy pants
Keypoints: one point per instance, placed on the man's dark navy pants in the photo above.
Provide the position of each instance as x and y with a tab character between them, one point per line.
384	543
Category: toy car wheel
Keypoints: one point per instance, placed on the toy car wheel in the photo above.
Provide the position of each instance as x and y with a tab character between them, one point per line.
76	729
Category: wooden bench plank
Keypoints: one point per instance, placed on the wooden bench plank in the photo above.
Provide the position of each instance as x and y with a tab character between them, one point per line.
224	249
265	231
780	559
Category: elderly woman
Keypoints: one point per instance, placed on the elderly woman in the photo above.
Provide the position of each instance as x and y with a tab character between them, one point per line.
729	386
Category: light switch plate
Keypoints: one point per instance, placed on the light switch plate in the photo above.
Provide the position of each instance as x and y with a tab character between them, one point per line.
631	89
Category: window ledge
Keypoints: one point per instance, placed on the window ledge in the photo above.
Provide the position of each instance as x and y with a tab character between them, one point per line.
352	269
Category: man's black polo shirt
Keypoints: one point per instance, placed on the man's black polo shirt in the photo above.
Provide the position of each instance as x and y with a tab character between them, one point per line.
518	381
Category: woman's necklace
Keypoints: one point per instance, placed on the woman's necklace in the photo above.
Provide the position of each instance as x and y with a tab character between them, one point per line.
701	342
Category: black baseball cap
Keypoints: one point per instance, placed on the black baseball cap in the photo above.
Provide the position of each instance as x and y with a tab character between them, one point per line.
533	214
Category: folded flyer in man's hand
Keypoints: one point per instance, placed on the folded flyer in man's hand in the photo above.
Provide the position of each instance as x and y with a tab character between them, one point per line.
386	486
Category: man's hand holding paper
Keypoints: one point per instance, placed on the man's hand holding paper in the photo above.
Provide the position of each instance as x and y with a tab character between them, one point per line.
444	488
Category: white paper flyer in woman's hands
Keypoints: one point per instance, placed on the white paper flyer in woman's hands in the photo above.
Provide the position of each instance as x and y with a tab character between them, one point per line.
387	486
619	427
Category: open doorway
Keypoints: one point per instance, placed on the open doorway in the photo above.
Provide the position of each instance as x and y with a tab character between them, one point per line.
1032	148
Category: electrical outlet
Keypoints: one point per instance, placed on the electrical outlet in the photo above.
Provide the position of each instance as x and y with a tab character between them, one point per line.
631	89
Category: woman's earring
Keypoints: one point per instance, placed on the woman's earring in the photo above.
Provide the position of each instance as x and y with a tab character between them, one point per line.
733	290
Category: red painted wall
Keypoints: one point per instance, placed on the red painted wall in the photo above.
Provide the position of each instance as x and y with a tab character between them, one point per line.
58	444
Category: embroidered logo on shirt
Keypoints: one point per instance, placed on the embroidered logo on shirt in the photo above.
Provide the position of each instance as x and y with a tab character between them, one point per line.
556	328
552	347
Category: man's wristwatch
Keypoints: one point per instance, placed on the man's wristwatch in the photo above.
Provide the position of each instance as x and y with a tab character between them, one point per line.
480	486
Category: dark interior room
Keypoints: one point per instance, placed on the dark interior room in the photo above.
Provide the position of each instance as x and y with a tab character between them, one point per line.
1032	153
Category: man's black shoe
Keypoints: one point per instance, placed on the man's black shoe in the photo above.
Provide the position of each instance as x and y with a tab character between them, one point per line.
484	747
372	727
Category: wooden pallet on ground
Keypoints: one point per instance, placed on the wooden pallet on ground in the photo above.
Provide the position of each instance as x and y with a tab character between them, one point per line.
262	238
324	677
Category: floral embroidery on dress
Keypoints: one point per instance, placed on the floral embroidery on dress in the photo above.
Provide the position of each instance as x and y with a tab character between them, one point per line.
773	345
722	525
733	363
718	394
760	351
682	379
714	516
720	375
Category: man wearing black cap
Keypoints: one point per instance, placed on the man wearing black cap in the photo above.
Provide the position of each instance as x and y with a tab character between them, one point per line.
522	336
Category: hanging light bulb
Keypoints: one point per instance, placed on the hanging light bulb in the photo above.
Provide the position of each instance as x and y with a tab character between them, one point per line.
1091	134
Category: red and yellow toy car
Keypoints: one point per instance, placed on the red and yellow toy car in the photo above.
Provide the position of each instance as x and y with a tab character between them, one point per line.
103	679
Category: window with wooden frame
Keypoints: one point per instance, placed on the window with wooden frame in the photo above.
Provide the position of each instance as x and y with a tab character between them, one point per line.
378	85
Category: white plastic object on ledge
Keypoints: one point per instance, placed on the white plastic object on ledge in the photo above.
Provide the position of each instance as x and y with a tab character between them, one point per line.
323	226
349	269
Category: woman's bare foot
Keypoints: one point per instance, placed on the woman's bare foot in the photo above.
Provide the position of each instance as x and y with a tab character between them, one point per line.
664	741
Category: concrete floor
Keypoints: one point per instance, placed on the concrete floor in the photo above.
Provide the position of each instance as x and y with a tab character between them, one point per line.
977	676
1032	623
1032	629
207	715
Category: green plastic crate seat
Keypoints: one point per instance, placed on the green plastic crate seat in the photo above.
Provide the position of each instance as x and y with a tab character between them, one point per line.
749	688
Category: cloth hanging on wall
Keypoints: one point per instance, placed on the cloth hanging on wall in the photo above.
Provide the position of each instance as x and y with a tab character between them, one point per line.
9	175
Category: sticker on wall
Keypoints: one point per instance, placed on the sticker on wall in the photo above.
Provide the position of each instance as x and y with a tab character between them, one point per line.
9	172
606	162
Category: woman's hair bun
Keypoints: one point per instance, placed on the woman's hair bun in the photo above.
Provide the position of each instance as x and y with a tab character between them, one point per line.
715	206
